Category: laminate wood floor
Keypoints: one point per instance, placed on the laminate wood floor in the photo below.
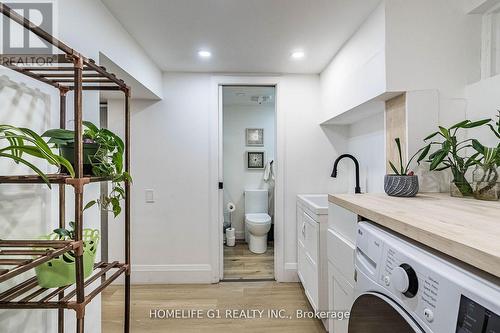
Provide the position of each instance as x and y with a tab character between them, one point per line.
222	296
240	263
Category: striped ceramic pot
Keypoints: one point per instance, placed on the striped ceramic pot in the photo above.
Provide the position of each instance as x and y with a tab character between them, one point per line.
401	186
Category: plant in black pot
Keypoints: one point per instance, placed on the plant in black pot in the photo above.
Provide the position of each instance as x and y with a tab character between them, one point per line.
403	183
103	157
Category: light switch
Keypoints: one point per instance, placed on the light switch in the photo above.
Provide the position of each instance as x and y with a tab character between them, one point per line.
150	196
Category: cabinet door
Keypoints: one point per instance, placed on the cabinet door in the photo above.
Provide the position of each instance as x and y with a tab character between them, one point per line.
308	274
341	297
311	237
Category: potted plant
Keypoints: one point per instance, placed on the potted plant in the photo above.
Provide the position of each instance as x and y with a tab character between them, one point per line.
485	176
103	157
449	155
103	160
22	142
403	183
60	271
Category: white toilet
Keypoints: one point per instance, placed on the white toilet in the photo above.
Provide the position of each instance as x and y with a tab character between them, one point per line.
257	220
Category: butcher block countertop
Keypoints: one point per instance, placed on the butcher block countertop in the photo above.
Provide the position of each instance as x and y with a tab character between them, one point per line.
466	229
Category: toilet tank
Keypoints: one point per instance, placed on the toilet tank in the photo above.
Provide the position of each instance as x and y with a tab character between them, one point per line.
256	201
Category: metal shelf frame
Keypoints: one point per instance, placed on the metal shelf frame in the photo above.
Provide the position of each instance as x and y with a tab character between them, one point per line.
69	71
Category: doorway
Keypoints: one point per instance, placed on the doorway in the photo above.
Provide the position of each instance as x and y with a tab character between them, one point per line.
248	169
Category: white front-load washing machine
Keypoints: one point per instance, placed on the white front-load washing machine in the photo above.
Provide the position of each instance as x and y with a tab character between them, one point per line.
402	287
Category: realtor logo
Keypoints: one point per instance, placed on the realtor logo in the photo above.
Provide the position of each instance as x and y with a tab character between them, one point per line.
20	45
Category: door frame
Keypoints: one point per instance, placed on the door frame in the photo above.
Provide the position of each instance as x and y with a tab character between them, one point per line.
215	130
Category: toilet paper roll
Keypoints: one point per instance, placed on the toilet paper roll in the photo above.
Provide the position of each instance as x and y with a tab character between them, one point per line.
230	232
231	207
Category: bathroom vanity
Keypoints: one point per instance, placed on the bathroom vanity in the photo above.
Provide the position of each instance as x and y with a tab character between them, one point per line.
312	221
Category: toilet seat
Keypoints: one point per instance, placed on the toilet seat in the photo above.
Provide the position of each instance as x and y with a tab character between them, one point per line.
259	218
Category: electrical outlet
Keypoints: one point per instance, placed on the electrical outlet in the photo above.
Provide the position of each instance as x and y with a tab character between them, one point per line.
150	196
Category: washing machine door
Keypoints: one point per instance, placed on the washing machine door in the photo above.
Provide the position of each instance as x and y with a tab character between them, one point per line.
376	313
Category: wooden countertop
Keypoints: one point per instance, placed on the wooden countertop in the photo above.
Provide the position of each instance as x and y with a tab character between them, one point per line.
466	229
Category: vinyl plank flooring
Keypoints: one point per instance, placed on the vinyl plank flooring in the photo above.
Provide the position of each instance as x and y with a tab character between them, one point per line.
222	296
240	263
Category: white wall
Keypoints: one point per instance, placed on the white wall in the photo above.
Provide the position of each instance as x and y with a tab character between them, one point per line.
365	140
170	242
170	155
237	177
90	28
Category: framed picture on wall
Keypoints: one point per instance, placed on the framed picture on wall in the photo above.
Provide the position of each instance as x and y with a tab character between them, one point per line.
255	137
255	159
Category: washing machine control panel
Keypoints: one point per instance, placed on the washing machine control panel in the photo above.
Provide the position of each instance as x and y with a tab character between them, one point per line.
428	287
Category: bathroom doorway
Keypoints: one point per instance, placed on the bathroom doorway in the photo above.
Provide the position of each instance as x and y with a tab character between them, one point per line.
248	166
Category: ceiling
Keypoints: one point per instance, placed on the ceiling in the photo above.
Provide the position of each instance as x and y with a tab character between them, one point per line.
245	36
248	95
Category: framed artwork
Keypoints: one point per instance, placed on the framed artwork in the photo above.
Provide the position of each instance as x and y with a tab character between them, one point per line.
255	160
255	137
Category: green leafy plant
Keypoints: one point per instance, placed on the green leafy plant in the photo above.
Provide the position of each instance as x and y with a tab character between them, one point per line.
23	141
107	162
496	130
488	160
70	233
449	153
404	170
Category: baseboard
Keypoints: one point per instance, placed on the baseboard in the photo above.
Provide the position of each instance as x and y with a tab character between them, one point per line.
290	272
171	274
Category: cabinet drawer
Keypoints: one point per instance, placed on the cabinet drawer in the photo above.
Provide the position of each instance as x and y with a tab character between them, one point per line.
341	254
308	274
343	222
310	234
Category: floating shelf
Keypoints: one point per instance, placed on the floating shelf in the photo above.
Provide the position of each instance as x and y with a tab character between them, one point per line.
28	295
24	255
53	179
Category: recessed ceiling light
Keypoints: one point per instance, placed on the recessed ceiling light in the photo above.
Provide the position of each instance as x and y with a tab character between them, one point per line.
204	54
297	55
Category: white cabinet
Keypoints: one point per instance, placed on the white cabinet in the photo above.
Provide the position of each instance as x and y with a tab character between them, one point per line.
312	263
340	298
341	237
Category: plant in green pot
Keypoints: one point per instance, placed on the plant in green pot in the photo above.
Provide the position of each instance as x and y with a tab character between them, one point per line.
60	271
450	155
403	183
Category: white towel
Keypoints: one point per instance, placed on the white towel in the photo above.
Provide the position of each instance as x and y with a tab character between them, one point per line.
269	172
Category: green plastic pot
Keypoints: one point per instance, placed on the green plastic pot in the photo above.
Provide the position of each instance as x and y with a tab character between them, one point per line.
60	271
89	150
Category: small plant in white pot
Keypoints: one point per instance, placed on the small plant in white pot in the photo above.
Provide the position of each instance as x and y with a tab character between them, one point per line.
403	183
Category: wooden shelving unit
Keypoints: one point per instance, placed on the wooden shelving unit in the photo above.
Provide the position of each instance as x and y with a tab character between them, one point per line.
69	72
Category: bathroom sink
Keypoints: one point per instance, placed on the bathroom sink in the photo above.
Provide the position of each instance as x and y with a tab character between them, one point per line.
317	203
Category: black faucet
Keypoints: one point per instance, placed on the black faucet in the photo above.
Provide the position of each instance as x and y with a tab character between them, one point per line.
334	172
